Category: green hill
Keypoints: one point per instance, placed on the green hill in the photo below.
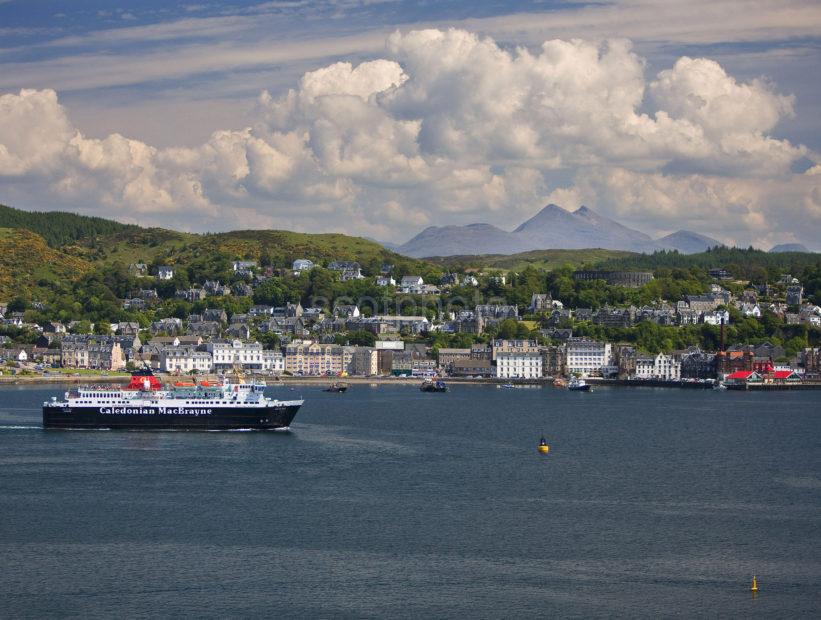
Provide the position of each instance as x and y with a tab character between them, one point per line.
745	264
59	228
27	262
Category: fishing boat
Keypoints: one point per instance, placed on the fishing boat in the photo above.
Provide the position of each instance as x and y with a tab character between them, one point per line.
579	385
433	386
337	388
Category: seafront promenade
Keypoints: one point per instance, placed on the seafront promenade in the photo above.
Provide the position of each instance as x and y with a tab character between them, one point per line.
123	378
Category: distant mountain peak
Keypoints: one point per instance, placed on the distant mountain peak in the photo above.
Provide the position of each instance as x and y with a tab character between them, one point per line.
788	247
551	228
687	242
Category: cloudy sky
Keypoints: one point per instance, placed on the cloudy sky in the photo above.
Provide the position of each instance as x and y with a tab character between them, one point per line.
379	118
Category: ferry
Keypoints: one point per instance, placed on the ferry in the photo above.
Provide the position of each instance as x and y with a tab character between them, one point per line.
145	404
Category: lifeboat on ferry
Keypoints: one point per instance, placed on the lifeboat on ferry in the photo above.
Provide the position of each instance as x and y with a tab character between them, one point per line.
144	380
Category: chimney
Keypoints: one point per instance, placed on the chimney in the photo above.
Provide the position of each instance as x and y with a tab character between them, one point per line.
721	338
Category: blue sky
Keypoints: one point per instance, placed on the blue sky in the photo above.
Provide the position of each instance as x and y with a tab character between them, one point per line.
168	75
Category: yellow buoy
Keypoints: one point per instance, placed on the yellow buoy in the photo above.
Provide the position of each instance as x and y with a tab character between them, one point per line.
754	587
543	447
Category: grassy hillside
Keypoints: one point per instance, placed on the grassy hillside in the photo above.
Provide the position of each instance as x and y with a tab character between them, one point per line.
281	247
26	260
542	259
105	242
741	263
137	245
59	228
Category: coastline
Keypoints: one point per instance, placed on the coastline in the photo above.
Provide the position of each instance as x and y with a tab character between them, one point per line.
91	379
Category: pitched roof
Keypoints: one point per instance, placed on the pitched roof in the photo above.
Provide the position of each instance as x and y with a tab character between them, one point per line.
741	374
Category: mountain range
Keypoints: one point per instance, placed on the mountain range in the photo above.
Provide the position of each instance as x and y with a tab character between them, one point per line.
551	228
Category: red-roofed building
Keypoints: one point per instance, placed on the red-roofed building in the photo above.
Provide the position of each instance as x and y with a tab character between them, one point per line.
743	377
782	376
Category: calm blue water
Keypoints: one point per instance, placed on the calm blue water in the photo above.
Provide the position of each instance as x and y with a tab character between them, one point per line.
389	502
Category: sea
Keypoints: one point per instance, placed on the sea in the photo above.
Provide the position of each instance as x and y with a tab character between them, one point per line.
386	502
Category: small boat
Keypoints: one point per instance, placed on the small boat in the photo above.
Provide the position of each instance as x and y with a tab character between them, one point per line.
433	386
337	388
579	385
507	386
559	382
543	447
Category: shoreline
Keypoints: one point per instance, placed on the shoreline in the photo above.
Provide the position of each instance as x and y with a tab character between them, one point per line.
91	379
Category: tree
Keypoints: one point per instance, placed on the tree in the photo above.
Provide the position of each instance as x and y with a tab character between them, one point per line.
508	329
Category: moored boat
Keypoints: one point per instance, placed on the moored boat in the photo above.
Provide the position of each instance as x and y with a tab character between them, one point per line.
145	404
337	388
578	385
433	386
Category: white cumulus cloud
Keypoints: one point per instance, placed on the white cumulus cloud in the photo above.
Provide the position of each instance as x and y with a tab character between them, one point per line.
449	127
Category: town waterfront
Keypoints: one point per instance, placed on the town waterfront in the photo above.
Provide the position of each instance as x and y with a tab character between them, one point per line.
385	501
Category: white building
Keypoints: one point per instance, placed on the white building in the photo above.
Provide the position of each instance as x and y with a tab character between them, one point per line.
273	362
165	273
229	353
748	309
715	317
411	284
518	365
589	357
385	281
302	264
184	360
663	367
244	266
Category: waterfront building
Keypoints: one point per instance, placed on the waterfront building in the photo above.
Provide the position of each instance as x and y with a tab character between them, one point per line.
554	360
312	358
365	361
662	367
184	360
472	368
446	357
230	353
514	346
590	357
273	362
519	365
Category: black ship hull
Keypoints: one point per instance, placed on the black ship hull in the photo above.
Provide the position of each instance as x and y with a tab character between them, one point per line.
169	418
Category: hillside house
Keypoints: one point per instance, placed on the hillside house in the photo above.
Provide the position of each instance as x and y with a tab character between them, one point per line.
244	267
411	284
302	264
